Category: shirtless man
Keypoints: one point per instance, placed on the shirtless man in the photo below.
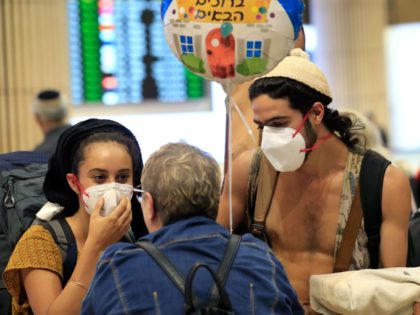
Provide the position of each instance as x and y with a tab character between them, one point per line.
314	190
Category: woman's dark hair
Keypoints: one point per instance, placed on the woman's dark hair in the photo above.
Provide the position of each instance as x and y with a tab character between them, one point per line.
103	137
302	98
70	152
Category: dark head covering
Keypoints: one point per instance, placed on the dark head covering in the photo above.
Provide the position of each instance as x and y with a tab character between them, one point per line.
56	188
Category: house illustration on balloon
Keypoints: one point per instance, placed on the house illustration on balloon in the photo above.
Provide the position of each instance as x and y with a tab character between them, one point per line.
228	39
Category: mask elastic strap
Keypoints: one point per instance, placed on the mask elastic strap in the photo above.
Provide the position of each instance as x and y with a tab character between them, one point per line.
79	186
301	124
316	145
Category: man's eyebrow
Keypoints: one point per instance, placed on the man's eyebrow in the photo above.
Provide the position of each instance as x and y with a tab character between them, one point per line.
257	122
271	120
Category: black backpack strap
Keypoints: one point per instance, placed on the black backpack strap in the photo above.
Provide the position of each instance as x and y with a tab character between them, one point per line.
222	306
228	258
371	179
177	278
164	263
227	262
64	238
219	298
129	237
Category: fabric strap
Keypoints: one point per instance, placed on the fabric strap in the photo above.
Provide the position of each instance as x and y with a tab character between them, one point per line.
267	179
252	187
354	220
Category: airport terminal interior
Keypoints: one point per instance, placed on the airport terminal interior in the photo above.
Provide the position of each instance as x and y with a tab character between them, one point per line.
169	71
367	49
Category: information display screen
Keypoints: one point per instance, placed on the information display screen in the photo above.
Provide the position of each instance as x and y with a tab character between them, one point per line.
119	55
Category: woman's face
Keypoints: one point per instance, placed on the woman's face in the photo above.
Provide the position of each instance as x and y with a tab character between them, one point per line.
105	162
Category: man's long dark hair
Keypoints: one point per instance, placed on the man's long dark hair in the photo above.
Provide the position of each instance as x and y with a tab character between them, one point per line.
302	98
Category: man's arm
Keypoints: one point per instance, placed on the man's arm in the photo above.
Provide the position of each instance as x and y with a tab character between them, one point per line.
240	176
396	203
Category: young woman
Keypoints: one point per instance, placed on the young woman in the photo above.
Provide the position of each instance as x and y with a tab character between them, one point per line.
91	177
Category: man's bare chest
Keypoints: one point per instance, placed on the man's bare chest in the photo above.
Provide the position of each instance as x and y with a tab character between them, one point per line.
303	217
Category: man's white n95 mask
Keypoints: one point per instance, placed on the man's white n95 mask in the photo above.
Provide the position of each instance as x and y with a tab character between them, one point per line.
284	147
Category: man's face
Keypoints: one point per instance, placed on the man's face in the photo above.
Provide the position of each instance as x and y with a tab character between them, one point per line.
278	113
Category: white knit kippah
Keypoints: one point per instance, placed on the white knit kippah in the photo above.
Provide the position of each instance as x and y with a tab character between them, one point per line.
297	66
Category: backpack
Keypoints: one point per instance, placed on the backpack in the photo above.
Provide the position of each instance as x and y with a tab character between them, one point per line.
371	179
21	196
219	303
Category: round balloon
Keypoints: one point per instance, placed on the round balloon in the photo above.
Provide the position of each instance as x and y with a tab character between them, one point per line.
231	41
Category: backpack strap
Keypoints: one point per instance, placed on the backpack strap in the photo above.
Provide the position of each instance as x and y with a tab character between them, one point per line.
227	261
176	277
354	220
162	260
64	238
223	305
228	257
371	179
129	237
253	184
267	179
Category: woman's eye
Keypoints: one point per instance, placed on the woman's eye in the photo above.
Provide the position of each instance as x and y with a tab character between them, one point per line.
123	178
100	178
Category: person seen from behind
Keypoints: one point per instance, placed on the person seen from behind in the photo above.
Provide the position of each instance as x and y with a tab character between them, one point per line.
50	111
179	197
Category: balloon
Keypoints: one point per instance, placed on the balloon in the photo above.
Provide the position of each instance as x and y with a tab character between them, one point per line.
226	29
231	41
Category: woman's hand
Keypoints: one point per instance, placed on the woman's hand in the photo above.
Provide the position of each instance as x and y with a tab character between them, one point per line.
104	231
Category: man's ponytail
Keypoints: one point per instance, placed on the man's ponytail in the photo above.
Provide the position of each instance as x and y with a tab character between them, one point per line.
341	124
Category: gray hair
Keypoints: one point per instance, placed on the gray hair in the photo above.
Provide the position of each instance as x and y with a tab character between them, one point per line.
184	181
50	106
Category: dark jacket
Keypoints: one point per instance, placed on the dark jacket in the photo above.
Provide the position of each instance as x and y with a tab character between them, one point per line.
128	281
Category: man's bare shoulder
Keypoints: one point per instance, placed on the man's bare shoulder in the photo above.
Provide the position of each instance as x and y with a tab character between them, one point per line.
395	180
244	159
241	168
396	188
239	180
